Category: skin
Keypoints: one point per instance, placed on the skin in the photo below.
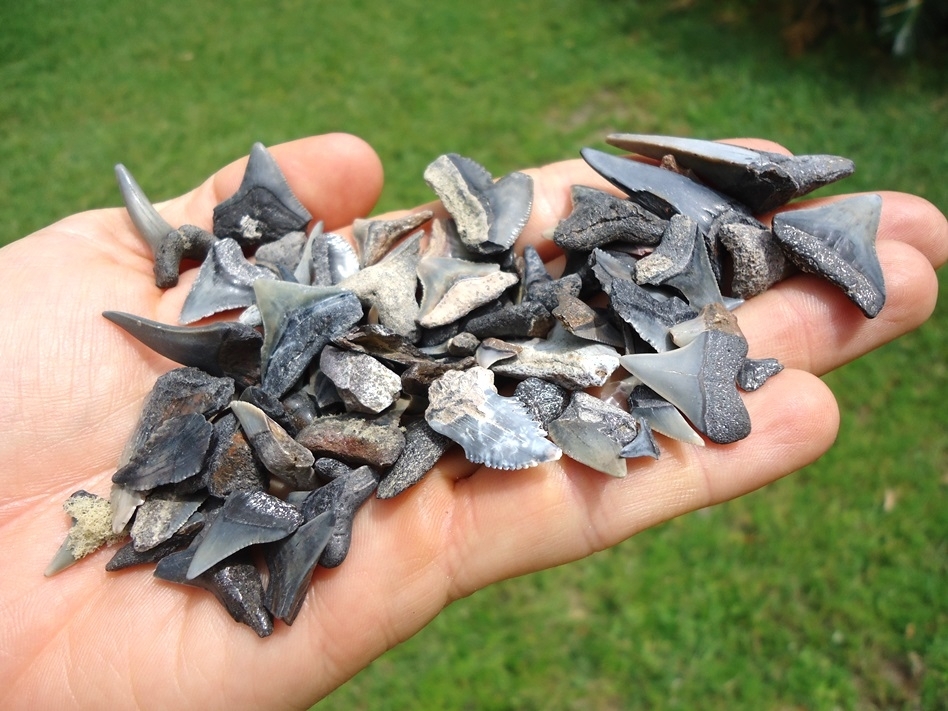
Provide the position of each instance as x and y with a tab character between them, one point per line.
88	638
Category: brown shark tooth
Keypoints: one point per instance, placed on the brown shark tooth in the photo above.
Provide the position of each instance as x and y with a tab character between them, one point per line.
353	438
364	384
224	282
838	242
489	215
493	430
376	237
264	207
283	456
599	218
762	180
594	433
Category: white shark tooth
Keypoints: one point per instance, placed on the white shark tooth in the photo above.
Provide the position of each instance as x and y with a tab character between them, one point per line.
838	242
224	282
493	430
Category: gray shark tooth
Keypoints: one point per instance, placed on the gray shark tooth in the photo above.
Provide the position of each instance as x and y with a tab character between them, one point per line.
455	287
838	242
291	563
585	322
489	215
283	456
423	448
127	556
667	193
652	317
152	227
343	260
245	519
681	261
91	529
492	350
364	384
608	266
124	502
376	237
758	262
284	255
390	285
534	270
594	433
354	439
545	401
757	371
264	207
328	469
700	380
161	516
599	218
231	465
445	241
644	444
761	180
300	409
271	405
174	452
313	265
493	430
275	299
305	331
235	583
528	319
561	358
224	282
226	348
661	416
342	496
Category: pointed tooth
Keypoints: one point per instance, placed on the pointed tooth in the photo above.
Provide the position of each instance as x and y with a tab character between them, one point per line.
224	282
644	444
173	453
423	448
150	225
343	260
124	501
291	563
661	415
376	237
280	454
91	529
454	288
651	317
594	433
838	242
247	518
161	515
342	496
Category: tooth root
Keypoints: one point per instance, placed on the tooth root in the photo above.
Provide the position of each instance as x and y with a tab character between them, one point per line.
91	529
150	225
247	518
644	444
423	448
599	218
291	563
838	242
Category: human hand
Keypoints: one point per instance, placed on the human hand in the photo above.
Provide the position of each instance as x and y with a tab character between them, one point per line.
91	638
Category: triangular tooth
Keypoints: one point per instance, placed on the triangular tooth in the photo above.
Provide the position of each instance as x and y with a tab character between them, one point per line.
173	453
247	518
225	281
376	237
124	501
838	242
585	322
224	348
454	288
343	496
423	448
264	207
644	444
291	563
150	225
283	456
161	515
757	371
594	433
91	528
662	416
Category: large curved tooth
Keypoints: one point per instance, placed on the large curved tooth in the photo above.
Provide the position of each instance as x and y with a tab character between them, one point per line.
226	348
838	242
594	433
150	225
763	181
283	456
245	519
264	207
291	563
224	282
493	430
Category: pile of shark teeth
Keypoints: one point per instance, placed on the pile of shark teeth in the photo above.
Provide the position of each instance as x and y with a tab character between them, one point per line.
336	381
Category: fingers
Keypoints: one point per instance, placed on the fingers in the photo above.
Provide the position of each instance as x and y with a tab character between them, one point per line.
338	177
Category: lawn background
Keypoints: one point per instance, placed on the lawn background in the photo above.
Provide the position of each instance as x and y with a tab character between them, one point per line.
826	590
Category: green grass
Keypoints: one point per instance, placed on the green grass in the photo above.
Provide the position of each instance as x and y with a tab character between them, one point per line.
808	594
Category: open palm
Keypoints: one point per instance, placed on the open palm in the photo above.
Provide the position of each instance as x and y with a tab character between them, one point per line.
75	385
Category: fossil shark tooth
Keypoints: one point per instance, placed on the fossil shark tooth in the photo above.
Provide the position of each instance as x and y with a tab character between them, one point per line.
264	207
304	332
608	266
661	416
681	261
756	371
343	260
492	350
124	502
561	358
757	260
489	215
173	453
127	555
598	218
667	193
594	433
284	255
493	430
761	180
283	456
91	529
225	281
364	384
585	322
291	563
528	319
700	378
545	401
390	285
644	444
353	438
651	315
226	348
455	287
152	227
343	496
376	237
245	519
838	242
161	516
423	448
